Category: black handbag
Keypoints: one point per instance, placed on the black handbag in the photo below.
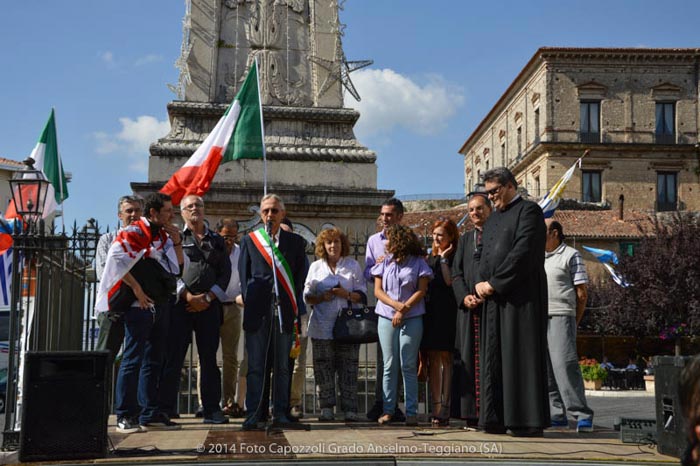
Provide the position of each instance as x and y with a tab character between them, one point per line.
356	325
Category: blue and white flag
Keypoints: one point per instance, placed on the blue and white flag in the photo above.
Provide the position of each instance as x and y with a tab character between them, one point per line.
5	277
603	255
607	258
616	276
550	202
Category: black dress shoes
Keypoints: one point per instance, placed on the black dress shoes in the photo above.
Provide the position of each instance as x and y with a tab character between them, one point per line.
526	432
496	430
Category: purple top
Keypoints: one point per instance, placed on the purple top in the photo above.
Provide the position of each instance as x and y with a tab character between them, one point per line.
376	248
400	281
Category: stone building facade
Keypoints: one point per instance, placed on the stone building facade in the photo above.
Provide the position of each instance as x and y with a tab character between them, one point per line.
636	110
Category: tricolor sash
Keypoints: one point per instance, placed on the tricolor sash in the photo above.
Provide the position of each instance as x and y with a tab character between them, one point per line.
269	251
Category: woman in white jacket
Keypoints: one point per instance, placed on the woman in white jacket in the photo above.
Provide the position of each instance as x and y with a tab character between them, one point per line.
332	281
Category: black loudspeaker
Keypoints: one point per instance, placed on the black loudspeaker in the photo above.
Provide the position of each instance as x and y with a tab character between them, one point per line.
671	429
64	406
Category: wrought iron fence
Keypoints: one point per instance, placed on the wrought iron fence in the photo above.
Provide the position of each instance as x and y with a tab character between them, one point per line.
52	310
50	299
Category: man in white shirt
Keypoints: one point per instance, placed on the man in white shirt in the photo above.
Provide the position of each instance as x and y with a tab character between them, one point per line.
111	333
232	320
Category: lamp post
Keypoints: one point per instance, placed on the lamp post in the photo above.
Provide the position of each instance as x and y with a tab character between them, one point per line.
29	188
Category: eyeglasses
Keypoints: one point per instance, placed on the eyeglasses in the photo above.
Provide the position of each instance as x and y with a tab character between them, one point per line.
494	191
272	211
196	205
229	238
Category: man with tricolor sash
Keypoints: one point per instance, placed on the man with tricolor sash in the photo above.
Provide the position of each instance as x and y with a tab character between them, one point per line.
262	250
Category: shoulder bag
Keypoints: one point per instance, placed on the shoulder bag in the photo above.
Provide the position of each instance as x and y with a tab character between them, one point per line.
356	325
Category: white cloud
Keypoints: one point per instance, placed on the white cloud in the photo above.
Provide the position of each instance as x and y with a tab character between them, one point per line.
147	59
133	140
107	58
390	100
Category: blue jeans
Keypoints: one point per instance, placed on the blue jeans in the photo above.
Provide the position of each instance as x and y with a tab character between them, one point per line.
400	345
139	372
206	326
261	359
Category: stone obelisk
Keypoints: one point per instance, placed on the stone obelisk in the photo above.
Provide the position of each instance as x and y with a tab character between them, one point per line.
316	164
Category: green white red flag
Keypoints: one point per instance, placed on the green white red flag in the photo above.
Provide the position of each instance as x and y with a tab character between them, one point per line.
48	161
237	135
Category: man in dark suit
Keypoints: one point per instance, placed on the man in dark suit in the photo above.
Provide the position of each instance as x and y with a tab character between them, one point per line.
512	282
261	319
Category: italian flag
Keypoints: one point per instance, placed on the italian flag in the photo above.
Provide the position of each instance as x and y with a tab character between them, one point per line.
237	135
48	161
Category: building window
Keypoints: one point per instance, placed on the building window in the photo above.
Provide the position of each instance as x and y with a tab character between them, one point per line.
520	140
591	186
537	187
666	191
590	121
537	125
503	154
487	165
665	123
627	248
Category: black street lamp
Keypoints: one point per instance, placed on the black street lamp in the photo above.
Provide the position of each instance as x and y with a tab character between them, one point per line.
29	188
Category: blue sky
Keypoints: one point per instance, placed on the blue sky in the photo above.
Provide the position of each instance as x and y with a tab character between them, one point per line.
438	68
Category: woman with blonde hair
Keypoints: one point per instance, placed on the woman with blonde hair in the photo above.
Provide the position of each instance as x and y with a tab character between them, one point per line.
400	283
439	321
333	281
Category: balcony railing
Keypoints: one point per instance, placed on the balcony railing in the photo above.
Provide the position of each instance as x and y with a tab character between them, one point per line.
589	138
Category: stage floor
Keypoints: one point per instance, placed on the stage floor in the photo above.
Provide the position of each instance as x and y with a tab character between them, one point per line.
338	441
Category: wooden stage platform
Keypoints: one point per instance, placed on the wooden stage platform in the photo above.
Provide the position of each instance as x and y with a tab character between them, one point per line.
370	443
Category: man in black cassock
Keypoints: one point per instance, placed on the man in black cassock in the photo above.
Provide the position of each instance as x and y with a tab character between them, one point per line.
514	394
464	273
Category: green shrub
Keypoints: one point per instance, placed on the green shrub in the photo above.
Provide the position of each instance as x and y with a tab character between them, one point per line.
593	372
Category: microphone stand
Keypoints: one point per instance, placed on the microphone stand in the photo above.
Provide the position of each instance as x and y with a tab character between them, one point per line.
276	315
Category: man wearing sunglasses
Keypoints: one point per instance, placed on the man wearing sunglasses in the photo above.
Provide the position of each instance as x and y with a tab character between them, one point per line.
200	293
269	328
513	285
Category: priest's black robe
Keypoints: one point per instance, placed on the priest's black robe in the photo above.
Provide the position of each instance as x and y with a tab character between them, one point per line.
513	370
464	273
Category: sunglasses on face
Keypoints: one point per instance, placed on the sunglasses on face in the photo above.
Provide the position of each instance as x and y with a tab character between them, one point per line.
494	191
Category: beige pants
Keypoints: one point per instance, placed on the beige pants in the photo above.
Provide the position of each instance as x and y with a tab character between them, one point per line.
230	338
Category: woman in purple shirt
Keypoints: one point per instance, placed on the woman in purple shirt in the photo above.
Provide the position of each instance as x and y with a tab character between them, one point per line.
400	283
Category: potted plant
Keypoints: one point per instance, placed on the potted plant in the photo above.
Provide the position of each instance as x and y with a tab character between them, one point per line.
593	374
675	332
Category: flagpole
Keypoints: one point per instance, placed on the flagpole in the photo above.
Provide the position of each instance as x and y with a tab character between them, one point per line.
262	127
60	169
